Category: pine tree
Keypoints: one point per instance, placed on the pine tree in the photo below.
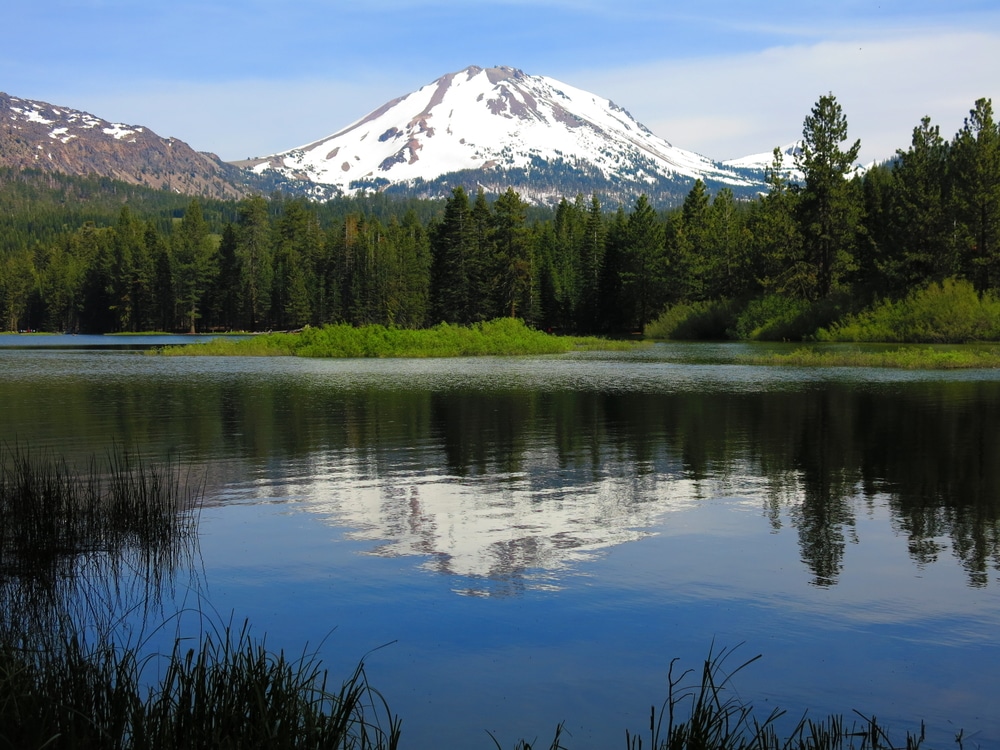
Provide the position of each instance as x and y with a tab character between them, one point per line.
726	268
194	263
642	279
482	265
452	245
130	274
254	253
514	264
591	263
298	241
225	292
410	285
777	258
18	280
976	195
907	216
690	252
829	213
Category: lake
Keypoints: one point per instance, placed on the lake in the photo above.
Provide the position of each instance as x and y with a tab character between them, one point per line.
510	543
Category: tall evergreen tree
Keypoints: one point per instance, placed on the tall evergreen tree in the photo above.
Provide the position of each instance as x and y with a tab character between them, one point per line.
452	245
615	311
513	259
976	195
829	213
164	296
591	263
224	297
18	279
481	263
726	267
907	217
410	285
194	263
254	253
642	279
297	238
777	258
690	246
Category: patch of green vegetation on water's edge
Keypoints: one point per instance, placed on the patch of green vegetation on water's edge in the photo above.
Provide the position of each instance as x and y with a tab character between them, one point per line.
502	337
904	358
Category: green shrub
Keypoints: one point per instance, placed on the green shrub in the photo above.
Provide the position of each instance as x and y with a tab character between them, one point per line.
949	312
780	318
693	321
770	318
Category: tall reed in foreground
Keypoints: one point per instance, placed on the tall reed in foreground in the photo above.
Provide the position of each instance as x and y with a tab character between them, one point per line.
707	714
126	512
227	690
703	711
74	547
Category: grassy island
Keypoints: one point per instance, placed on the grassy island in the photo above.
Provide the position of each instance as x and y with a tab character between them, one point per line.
501	337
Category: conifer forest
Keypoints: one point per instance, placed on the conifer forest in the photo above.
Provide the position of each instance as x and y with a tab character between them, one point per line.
824	241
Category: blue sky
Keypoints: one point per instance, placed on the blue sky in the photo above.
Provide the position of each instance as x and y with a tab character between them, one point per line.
725	79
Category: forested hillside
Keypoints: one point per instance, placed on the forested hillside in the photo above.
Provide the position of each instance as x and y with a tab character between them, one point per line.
99	256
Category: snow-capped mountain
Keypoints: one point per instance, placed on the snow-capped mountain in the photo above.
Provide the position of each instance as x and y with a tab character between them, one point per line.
760	163
764	161
39	135
500	127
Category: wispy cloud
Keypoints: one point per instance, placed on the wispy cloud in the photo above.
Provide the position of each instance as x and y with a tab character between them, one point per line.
728	106
727	79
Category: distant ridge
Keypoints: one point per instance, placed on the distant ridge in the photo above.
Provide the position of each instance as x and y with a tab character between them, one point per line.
43	136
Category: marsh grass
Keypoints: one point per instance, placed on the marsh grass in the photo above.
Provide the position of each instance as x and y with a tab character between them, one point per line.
703	711
907	358
227	690
126	512
501	337
75	545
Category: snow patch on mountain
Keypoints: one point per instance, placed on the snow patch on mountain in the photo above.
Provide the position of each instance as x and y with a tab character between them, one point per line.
67	120
493	118
762	162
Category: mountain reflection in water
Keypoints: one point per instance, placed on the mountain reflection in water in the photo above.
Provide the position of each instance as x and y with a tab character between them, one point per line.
509	468
601	513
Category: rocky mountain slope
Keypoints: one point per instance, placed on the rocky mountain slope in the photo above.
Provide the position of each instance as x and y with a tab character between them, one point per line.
38	135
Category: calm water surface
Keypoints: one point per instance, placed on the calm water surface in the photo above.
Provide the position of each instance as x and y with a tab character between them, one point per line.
535	539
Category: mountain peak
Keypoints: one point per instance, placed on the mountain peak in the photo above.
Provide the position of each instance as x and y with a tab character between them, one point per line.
497	125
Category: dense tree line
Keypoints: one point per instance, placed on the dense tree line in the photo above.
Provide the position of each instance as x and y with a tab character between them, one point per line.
827	241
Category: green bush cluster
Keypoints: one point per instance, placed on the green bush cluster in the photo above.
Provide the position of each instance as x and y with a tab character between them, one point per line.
693	321
949	312
772	318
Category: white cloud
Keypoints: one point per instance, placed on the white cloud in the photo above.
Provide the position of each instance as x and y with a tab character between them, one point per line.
730	106
720	106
